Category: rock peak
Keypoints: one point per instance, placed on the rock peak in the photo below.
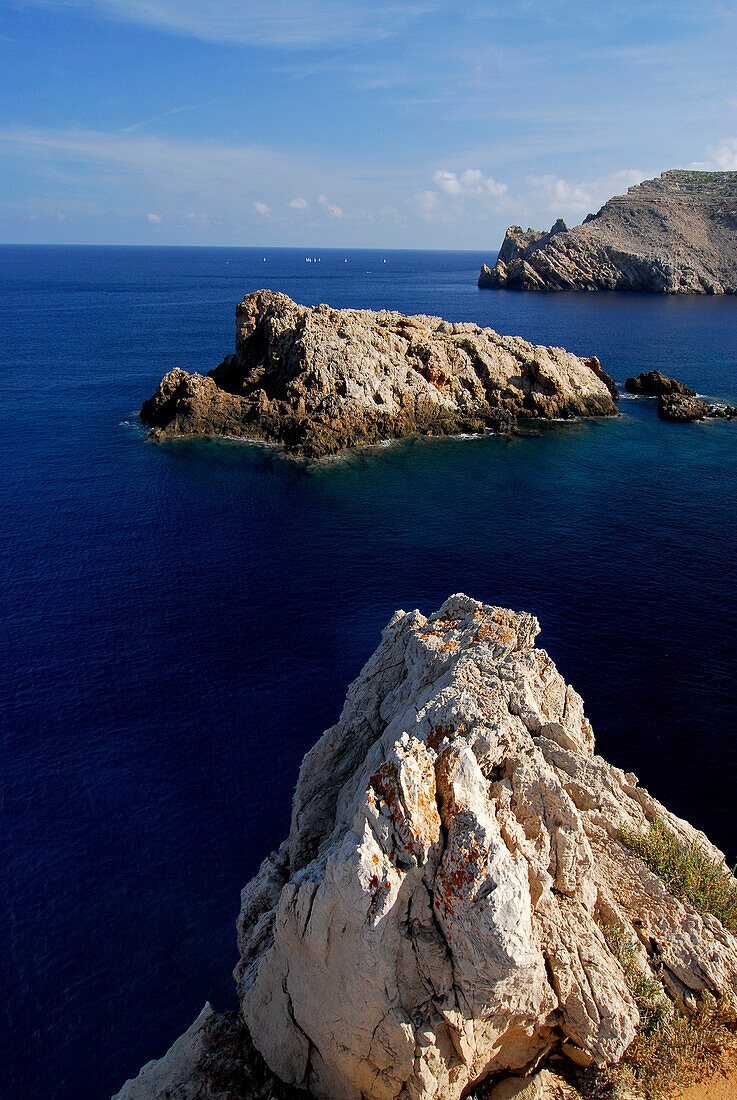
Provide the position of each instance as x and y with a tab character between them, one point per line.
437	913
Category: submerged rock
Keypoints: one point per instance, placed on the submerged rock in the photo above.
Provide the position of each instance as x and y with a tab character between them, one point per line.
434	918
673	235
318	380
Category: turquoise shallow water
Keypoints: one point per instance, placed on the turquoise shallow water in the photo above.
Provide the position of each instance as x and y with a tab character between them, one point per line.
181	622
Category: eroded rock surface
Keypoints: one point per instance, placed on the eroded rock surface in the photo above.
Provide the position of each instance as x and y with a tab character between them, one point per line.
318	380
676	234
435	914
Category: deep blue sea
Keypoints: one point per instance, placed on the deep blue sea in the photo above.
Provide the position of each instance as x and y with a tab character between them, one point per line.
180	622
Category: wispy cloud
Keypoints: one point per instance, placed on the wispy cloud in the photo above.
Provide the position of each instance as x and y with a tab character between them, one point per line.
471	182
232	186
724	156
163	114
295	24
467	191
332	208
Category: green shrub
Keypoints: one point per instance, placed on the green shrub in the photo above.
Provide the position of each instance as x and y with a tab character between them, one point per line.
670	1050
687	872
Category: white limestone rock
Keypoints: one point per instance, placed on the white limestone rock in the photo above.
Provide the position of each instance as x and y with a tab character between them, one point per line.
175	1076
433	915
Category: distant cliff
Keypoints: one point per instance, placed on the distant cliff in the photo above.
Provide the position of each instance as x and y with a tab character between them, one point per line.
672	235
317	380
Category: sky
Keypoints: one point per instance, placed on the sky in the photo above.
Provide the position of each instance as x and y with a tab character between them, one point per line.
321	123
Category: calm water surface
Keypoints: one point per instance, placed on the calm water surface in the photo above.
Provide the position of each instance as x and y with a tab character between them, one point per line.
180	622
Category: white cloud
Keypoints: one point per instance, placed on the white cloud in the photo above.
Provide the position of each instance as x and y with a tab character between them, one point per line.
724	156
299	204
155	219
470	183
566	199
199	221
427	204
333	210
263	209
295	24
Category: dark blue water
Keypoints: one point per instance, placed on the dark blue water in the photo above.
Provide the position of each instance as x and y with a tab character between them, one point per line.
181	622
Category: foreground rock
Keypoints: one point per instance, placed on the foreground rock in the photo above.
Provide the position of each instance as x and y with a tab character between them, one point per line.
434	918
672	235
213	1060
434	915
318	380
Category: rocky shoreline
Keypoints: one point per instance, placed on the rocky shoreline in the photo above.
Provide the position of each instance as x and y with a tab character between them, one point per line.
676	234
444	909
319	380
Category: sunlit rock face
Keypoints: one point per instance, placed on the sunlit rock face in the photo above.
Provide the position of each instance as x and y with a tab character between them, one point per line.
318	380
434	915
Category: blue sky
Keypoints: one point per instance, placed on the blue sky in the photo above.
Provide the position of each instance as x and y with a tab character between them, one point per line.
400	123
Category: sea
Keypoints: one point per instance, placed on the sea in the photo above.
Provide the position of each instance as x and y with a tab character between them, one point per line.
180	622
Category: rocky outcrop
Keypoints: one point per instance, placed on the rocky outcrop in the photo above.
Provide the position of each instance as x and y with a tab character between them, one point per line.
318	380
654	384
677	401
435	919
676	234
435	914
213	1060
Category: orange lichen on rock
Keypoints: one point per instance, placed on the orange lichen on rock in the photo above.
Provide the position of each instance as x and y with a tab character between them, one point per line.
405	785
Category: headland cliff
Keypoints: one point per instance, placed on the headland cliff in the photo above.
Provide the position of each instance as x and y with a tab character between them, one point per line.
676	234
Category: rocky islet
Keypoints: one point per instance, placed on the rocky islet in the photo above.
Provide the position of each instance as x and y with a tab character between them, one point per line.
317	380
677	401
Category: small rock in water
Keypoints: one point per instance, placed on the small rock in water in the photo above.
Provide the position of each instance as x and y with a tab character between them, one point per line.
654	384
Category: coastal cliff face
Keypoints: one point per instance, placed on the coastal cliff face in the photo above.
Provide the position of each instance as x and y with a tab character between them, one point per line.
437	913
318	380
673	235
